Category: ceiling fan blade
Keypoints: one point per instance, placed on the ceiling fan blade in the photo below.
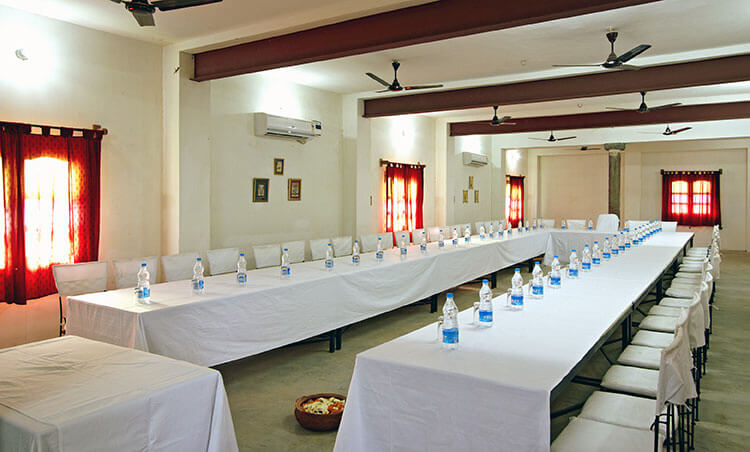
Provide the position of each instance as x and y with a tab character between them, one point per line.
378	79
576	65
144	18
661	107
507	123
565	138
619	109
539	139
169	5
628	67
681	130
632	53
422	87
384	91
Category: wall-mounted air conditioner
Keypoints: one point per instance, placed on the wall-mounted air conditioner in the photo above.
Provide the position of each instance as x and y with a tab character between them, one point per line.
473	159
279	126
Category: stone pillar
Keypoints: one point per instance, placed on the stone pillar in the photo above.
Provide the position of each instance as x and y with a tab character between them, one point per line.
614	181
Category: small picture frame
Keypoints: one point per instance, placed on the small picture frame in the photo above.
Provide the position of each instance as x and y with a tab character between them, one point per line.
466	196
295	190
471	182
278	167
476	196
260	190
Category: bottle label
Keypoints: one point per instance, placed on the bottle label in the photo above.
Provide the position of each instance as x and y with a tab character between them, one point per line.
403	251
615	251
423	247
516	300
466	239
606	255
286	271
450	335
492	235
241	278
142	293
554	280
455	241
621	247
379	255
627	244
586	265
590	228
481	236
597	261
197	285
485	316
573	272
355	259
329	263
441	244
537	290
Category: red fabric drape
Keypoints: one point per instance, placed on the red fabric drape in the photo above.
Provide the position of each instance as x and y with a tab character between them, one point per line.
51	197
404	197
514	199
691	198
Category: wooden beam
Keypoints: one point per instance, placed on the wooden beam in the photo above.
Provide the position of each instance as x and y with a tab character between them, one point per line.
678	75
687	113
407	26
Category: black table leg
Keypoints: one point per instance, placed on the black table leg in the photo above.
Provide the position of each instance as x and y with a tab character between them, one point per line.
433	303
331	341
338	338
493	280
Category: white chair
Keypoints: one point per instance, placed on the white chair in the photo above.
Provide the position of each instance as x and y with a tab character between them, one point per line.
78	279
387	239
368	243
433	233
404	236
318	248
478	226
669	226
608	222
178	267
223	260
126	271
416	235
342	246
548	224
296	251
576	225
267	255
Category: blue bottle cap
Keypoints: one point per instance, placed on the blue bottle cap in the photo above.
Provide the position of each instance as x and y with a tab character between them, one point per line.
449	295
572	251
484	281
286	249
518	270
198	259
356	241
143	264
242	254
555	257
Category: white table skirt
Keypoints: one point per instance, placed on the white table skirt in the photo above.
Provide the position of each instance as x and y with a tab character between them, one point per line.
230	322
71	394
493	393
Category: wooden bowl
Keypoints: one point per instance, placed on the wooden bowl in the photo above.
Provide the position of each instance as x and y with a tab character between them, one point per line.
318	422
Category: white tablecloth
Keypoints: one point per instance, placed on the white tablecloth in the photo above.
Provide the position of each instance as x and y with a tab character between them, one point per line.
562	242
71	394
493	393
230	322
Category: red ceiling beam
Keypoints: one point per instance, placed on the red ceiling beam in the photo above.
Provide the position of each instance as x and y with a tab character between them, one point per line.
408	26
679	75
687	113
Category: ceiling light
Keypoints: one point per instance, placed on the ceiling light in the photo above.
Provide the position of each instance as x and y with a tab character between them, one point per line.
21	54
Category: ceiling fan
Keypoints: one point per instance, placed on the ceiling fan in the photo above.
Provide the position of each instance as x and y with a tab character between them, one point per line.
588	148
613	61
500	121
395	85
143	11
551	138
643	108
669	131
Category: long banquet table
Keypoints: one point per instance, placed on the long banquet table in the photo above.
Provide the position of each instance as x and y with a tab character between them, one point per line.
230	322
494	392
73	394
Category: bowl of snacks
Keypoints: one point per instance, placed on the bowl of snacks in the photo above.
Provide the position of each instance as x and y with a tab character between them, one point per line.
320	412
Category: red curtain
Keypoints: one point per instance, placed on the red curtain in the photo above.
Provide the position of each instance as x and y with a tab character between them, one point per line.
514	199
404	196
51	199
691	198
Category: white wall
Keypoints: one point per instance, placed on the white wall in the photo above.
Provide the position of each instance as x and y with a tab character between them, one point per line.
457	180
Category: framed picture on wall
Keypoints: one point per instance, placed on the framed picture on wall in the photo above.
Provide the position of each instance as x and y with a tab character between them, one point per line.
260	190
278	167
295	189
476	196
466	196
471	182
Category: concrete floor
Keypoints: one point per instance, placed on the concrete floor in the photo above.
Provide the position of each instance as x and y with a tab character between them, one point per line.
262	389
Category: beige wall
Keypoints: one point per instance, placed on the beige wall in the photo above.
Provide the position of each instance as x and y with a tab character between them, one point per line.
573	186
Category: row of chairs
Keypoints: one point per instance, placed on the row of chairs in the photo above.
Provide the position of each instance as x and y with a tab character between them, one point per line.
665	362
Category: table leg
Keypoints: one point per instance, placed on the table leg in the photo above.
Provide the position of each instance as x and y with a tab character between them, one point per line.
331	341
626	332
493	280
660	289
338	338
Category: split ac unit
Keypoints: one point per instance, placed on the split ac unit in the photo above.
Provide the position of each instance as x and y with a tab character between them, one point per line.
280	126
473	159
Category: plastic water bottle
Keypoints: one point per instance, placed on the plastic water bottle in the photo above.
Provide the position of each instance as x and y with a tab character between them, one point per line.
621	242
615	250
241	270
379	252
485	305
555	277
355	253
573	265
596	254
286	269
454	237
534	224
329	257
564	224
526	225
441	239
627	238
450	323
481	232
467	236
199	285
143	289
508	229
541	223
537	281
491	232
516	291
606	249
591	224
402	248
423	243
586	258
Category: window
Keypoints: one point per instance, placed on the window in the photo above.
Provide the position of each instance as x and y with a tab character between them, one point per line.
514	199
691	198
404	185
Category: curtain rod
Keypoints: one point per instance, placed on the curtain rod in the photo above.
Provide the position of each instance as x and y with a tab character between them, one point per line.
384	162
720	171
96	128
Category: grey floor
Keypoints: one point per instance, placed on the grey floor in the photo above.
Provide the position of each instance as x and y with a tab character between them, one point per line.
262	389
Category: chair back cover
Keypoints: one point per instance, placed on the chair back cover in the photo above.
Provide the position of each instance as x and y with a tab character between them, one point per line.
696	324
669	226
318	248
126	271
387	240
403	235
416	235
223	260
608	222
478	226
296	251
433	233
368	243
178	267
676	383
78	279
548	223
267	255
342	246
576	225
